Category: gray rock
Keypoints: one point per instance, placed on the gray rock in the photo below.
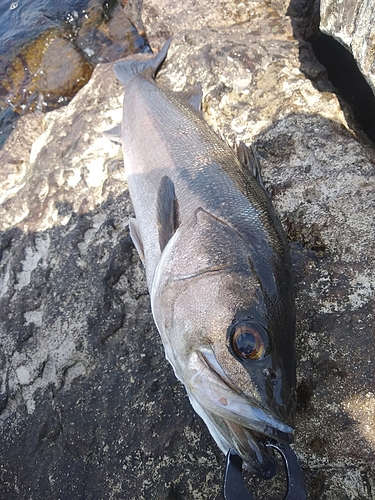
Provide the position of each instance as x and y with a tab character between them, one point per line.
352	23
89	407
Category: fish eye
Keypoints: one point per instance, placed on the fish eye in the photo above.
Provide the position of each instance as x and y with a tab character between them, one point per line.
249	340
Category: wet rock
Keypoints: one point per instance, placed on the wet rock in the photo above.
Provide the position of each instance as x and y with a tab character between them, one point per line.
107	35
89	407
74	70
26	27
28	20
48	69
352	23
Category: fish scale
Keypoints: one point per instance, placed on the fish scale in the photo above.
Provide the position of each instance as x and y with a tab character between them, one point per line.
217	265
197	173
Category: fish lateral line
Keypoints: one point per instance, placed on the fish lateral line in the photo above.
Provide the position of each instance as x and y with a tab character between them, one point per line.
208	270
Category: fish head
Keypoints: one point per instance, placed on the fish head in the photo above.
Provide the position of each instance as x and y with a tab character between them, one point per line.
229	336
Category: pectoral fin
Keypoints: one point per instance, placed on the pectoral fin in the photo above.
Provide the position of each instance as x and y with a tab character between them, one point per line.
136	237
166	211
201	246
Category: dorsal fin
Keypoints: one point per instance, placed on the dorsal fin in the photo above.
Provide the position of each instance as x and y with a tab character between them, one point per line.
248	159
166	211
193	96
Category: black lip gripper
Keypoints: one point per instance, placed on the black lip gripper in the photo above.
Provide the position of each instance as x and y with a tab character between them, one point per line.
234	486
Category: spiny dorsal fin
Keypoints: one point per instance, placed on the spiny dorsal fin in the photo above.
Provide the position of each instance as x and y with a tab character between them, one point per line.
136	237
166	211
248	159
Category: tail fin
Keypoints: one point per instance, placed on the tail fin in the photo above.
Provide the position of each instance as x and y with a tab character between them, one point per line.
125	70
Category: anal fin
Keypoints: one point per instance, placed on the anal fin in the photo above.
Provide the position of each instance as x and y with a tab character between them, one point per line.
166	211
136	238
114	134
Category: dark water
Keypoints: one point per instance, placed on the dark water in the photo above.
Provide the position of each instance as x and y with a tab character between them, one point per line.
79	21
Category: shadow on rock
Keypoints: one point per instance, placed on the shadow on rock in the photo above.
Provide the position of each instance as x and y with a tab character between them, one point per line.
90	408
337	72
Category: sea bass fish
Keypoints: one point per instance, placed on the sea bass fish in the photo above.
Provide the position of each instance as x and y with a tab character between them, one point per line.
217	265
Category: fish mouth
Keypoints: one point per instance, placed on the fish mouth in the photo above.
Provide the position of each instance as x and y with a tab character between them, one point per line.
234	421
251	447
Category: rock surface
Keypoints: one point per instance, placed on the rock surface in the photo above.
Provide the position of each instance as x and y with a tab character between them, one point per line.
35	76
89	407
107	34
352	23
56	58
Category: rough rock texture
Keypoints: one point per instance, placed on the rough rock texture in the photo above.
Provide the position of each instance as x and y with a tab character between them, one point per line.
352	22
107	34
89	407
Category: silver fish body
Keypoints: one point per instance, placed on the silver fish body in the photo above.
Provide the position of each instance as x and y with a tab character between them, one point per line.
217	265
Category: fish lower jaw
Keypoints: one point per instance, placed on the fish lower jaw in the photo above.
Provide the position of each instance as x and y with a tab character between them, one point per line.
249	443
251	447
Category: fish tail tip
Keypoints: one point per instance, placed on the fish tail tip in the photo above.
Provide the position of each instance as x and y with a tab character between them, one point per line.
125	70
